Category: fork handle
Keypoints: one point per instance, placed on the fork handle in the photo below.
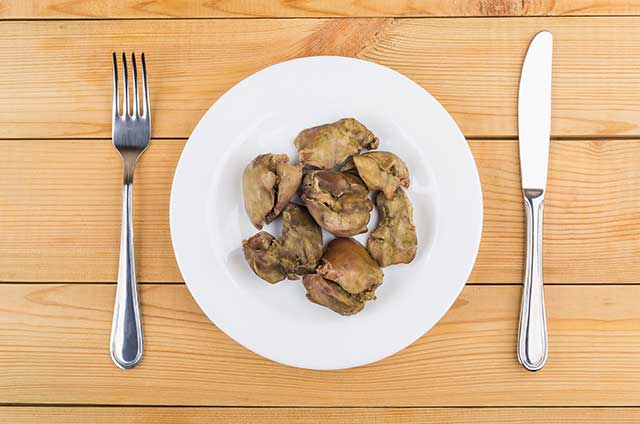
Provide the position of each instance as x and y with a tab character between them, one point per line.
126	330
532	334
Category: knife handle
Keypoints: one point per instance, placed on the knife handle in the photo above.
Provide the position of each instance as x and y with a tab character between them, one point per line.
532	334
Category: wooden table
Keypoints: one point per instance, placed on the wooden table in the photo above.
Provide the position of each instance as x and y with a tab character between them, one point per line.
60	212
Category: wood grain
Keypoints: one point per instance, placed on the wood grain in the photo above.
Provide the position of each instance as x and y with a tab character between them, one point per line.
592	212
88	9
61	212
212	415
61	203
54	338
58	81
60	208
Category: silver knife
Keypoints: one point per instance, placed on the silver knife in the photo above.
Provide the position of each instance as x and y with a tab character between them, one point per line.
534	125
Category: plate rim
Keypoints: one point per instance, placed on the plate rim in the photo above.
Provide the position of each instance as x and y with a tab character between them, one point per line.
479	199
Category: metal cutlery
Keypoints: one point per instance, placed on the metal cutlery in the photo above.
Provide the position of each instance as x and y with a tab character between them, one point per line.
131	135
534	125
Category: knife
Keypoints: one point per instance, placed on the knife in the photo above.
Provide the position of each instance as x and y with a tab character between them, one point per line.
534	125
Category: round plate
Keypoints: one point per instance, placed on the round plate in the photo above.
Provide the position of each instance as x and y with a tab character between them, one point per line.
264	113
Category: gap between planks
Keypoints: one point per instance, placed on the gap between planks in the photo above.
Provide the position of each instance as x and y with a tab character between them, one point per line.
180	283
66	415
492	138
297	18
276	407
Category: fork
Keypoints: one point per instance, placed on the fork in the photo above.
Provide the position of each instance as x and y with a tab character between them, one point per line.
131	134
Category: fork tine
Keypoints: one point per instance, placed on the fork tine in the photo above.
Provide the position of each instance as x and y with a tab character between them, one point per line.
116	99
125	77
136	113
145	90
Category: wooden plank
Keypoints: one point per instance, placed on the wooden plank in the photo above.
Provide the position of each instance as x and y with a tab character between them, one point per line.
61	207
592	212
61	212
57	80
162	415
54	349
83	9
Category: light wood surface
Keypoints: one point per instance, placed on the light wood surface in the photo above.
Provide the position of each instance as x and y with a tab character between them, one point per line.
212	415
89	9
53	349
58	84
60	207
61	211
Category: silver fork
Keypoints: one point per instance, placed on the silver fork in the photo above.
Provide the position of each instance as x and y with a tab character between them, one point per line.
130	133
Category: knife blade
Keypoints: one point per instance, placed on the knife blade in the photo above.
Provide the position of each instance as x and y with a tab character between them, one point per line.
534	128
534	112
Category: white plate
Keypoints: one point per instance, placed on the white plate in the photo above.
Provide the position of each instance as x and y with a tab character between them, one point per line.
263	113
